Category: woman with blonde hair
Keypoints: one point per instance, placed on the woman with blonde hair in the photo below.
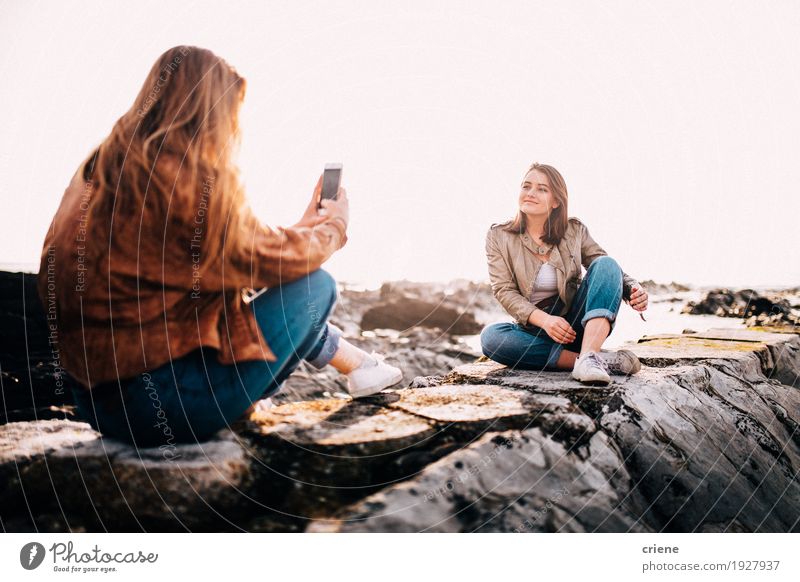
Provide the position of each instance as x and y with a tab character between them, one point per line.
150	259
560	319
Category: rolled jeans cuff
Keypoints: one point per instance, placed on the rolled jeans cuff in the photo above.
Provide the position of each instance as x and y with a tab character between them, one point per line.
600	312
324	351
555	353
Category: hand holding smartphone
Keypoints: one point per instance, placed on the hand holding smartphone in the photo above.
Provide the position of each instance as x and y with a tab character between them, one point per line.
331	182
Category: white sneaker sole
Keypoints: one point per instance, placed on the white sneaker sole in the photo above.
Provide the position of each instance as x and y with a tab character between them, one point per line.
362	392
595	380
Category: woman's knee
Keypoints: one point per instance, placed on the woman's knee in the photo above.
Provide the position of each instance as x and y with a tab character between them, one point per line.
604	261
509	344
492	337
322	288
323	280
313	292
605	266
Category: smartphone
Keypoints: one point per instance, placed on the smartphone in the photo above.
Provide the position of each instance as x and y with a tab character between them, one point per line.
331	180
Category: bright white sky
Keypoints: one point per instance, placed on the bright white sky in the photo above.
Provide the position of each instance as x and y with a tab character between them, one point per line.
676	125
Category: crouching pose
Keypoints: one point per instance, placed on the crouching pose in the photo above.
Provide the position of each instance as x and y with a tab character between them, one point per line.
149	263
561	319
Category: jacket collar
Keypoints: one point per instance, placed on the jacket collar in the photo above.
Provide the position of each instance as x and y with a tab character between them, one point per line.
556	258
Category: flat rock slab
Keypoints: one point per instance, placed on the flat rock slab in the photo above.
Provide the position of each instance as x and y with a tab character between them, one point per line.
340	423
667	351
452	403
320	455
509	481
783	346
67	468
787	328
489	372
24	442
476	372
728	334
748	334
315	456
540	382
778	352
476	408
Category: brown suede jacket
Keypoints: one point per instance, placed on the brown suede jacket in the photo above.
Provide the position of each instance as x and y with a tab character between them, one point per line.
513	267
144	300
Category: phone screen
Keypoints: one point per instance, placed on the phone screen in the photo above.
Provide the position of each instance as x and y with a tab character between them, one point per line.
331	180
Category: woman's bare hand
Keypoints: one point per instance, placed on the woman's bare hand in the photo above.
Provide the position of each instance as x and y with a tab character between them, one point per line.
559	330
638	300
339	208
311	216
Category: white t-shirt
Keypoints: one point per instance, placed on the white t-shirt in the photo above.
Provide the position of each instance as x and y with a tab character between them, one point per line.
546	284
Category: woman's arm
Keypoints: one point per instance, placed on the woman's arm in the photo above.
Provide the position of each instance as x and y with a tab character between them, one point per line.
590	250
280	255
262	257
504	286
267	256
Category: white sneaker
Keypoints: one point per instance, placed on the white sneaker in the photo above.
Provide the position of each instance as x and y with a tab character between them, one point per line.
620	361
591	369
264	405
372	376
259	407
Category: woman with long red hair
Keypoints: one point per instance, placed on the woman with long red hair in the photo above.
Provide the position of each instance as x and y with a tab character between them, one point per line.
150	256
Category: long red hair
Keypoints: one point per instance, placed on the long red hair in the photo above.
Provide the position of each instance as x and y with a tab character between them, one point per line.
173	153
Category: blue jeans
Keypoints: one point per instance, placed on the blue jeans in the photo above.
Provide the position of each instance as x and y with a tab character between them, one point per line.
530	348
192	397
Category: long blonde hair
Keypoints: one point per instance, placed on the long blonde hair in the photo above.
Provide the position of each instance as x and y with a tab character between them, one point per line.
173	152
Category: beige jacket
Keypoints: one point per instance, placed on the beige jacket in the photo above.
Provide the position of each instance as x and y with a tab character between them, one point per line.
513	267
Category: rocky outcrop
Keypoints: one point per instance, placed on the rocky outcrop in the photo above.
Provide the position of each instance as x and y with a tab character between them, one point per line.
458	300
704	438
32	381
654	288
59	475
774	309
406	313
449	307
